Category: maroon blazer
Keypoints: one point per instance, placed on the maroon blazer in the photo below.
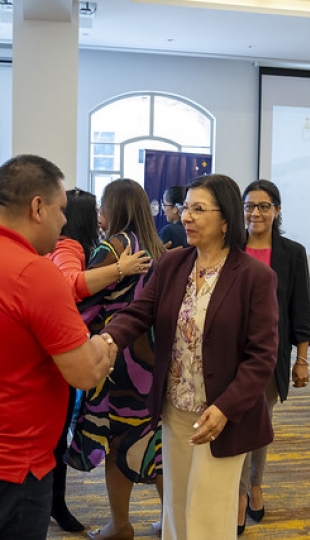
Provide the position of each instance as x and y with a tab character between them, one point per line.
240	341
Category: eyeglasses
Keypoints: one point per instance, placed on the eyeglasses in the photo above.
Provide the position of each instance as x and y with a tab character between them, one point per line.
263	207
164	205
195	210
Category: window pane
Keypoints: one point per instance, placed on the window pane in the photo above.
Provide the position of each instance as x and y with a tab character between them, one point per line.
104	157
103	136
125	118
99	182
103	149
104	163
180	122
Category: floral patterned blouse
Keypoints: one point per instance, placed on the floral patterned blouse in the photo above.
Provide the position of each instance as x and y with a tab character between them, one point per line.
185	388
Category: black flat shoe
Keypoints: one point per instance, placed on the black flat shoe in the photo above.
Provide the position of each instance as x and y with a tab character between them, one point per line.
65	520
256	515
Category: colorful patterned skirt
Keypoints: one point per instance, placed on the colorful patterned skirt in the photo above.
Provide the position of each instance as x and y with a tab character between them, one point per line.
115	417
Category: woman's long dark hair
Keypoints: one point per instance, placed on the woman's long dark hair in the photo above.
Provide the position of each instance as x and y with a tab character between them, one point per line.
82	220
126	207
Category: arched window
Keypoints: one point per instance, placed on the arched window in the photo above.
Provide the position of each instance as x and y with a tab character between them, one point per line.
122	128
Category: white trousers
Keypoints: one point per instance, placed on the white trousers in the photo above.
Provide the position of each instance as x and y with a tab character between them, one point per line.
201	493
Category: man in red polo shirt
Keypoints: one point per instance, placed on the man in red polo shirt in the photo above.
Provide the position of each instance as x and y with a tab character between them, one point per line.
44	344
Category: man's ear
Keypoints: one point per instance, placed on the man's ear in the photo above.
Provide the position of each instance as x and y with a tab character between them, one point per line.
36	207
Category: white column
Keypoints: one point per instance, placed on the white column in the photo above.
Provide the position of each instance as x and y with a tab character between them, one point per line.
45	72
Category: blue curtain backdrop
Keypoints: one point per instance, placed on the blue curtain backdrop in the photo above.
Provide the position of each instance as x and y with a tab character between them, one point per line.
165	169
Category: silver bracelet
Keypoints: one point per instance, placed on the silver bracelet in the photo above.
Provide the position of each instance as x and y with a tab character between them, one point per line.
304	360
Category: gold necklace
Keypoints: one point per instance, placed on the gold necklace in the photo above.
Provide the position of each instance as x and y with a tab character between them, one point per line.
205	269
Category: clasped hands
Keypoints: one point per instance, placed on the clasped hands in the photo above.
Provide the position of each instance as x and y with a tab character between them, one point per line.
112	349
209	426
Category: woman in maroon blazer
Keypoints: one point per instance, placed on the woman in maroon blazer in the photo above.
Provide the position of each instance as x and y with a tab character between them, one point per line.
215	317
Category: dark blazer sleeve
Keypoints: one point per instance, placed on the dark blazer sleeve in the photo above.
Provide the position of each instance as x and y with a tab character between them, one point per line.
159	301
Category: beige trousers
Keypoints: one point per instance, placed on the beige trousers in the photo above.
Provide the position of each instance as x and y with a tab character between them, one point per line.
200	491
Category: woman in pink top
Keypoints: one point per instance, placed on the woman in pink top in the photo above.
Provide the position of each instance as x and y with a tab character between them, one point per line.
78	239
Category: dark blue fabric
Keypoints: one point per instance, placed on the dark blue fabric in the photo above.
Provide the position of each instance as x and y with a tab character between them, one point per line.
175	233
164	169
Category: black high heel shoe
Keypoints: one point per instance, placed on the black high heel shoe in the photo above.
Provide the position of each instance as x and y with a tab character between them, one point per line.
256	515
241	528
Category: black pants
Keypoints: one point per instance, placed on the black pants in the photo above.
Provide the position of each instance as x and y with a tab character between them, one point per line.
60	471
25	508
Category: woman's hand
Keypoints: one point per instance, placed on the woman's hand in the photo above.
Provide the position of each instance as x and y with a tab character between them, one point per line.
300	375
113	349
138	263
209	426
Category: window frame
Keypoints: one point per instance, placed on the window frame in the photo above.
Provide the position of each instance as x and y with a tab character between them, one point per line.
177	144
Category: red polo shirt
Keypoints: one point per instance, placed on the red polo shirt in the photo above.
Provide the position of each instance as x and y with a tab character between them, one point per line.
38	318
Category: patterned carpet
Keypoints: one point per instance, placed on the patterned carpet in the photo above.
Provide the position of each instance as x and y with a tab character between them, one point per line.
286	487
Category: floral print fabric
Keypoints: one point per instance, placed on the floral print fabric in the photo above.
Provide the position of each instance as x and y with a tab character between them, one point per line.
185	389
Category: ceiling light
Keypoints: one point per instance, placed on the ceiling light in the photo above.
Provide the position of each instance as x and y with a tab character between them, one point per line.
87	8
6	4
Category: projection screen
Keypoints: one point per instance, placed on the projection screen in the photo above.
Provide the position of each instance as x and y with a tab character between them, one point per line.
284	145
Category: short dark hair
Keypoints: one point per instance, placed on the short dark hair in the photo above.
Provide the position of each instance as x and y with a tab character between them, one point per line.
175	194
227	196
25	176
274	194
82	220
